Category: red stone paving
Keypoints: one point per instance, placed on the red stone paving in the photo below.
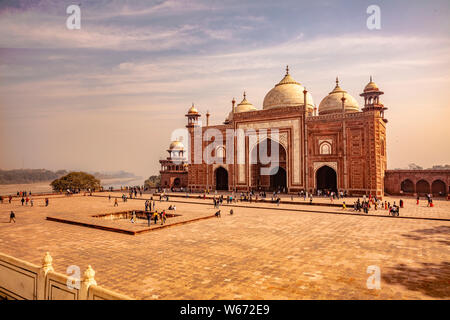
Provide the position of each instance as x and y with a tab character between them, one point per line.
254	254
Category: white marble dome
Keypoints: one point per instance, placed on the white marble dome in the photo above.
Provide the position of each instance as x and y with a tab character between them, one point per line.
245	106
332	103
287	93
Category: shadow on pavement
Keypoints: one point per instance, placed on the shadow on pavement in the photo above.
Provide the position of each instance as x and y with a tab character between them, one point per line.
431	279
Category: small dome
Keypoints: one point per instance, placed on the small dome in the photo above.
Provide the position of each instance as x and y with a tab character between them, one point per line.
244	106
176	145
332	103
192	110
287	93
371	86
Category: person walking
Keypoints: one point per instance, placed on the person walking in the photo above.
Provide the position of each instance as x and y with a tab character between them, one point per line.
155	216
343	205
23	200
116	204
10	198
163	217
417	200
149	218
12	217
46	202
31	202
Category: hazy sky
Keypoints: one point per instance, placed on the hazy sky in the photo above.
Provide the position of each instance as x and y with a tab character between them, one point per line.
108	96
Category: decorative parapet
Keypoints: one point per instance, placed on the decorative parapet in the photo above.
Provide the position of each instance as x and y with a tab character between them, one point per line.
21	280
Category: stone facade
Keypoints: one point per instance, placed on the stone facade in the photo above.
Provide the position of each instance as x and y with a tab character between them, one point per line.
339	149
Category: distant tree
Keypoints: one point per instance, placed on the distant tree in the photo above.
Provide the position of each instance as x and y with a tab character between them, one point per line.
76	180
441	167
413	166
28	175
153	181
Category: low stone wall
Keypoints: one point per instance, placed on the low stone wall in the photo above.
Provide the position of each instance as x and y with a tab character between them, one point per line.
414	182
21	280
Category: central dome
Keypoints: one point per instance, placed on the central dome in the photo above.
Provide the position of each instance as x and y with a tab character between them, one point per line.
287	93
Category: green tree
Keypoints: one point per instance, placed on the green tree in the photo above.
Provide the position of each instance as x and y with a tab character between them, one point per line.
153	181
76	180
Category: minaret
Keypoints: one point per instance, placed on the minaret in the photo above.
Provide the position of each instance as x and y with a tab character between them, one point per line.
207	118
343	101
371	97
192	117
305	97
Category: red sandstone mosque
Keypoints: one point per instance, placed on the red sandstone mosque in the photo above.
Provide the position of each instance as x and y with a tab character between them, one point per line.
338	146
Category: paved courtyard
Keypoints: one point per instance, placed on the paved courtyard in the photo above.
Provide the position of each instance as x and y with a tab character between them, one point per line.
260	252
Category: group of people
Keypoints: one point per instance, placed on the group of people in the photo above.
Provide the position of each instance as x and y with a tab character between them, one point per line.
219	215
9	199
149	204
368	202
429	200
157	216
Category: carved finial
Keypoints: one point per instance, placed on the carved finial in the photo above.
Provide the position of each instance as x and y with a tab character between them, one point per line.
89	275
370	78
245	95
47	262
343	97
337	81
287	70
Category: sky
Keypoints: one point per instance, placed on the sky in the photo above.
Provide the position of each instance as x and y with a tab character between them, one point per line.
107	97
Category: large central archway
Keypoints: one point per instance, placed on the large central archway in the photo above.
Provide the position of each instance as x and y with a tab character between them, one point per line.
221	179
326	179
278	179
268	176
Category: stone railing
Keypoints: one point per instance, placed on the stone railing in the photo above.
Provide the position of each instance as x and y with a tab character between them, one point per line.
21	280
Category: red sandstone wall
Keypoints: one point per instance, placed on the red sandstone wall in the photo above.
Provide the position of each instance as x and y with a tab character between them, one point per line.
394	178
